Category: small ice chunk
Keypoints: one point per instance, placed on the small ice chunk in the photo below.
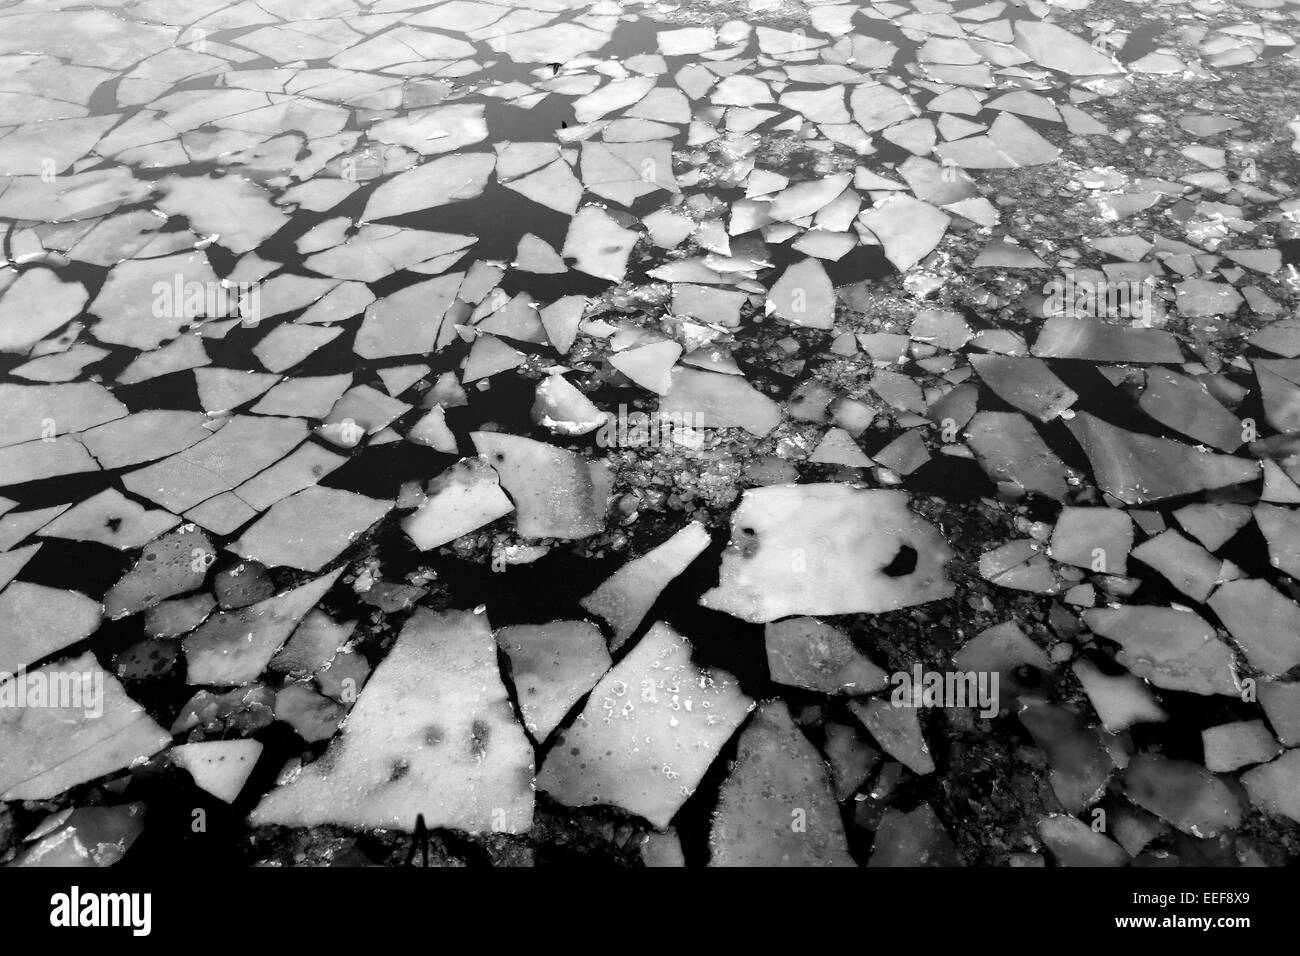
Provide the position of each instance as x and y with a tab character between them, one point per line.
219	767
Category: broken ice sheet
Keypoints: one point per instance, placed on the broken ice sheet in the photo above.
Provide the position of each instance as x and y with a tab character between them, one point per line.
803	295
897	730
766	167
557	493
717	400
137	306
1025	382
1074	843
445	180
38	620
1013	453
649	731
112	519
1080	766
84	837
908	229
432	733
552	666
234	647
827	549
463	498
1262	620
37	303
1185	794
777	769
914	838
309	529
598	245
804	652
44	411
1173	649
1137	468
46	749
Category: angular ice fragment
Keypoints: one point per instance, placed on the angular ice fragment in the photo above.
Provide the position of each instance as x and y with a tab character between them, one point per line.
219	767
804	296
309	529
45	750
703	399
462	499
827	549
1095	538
598	245
29	412
432	734
626	596
1057	49
436	183
111	519
557	493
1064	336
552	665
778	779
1138	468
1263	621
1173	649
1011	450
907	228
37	621
242	448
649	731
804	652
234	647
36	304
1183	793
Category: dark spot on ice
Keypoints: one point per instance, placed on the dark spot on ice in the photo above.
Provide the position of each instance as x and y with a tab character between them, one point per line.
904	563
747	542
478	738
1027	675
433	735
398	770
